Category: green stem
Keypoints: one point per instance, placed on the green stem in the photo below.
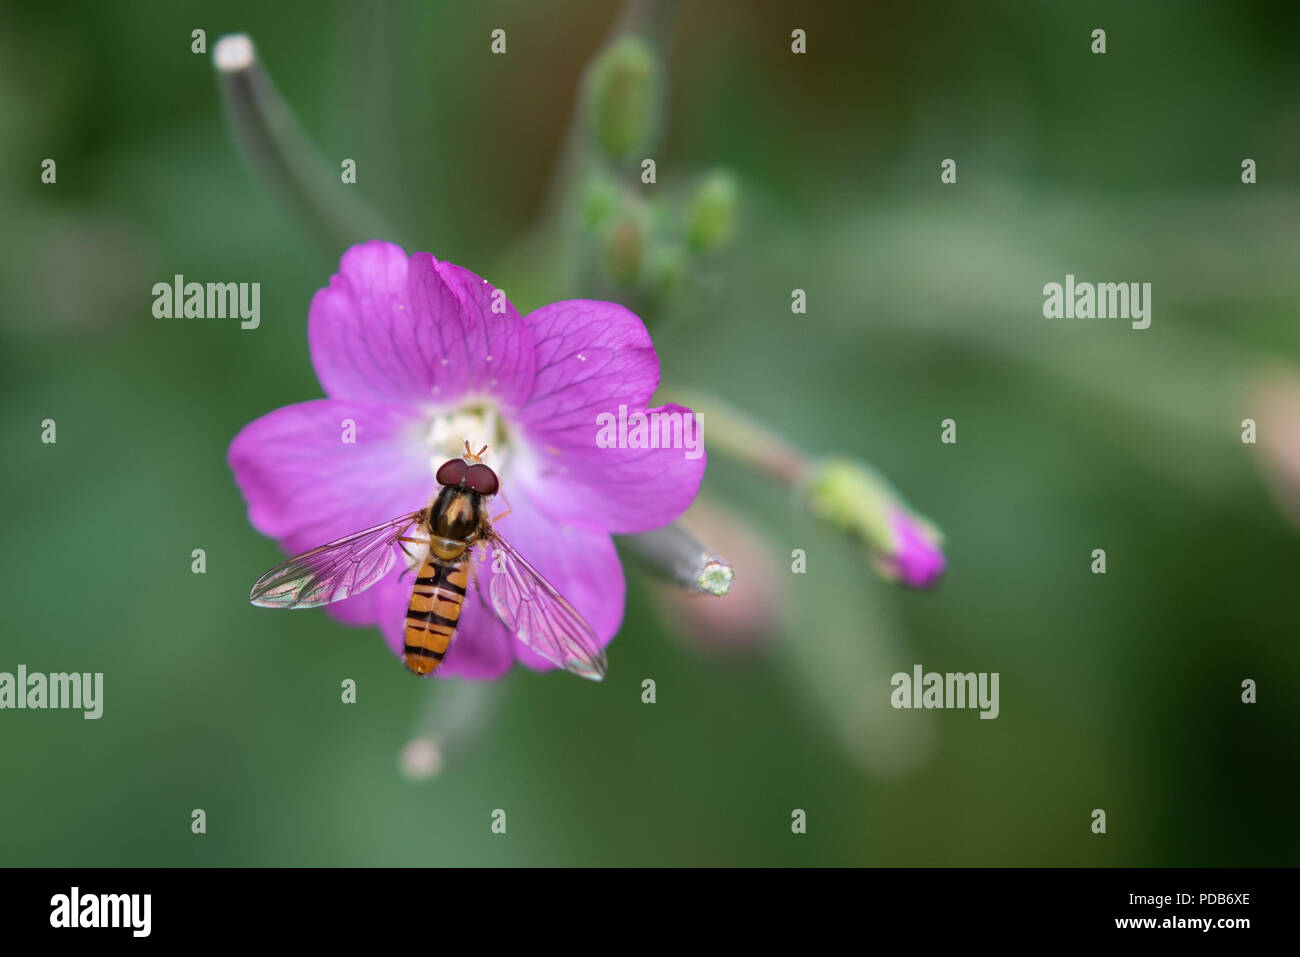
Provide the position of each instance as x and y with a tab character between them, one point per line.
745	440
282	157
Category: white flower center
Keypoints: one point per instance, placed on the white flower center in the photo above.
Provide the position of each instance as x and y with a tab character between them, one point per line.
479	424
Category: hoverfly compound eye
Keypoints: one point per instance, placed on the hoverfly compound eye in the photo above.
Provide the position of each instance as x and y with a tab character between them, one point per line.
452	472
482	479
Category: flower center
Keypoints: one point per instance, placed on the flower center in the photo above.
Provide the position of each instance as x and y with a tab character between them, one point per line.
479	424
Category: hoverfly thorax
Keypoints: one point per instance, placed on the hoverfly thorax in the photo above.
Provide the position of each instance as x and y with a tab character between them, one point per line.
456	514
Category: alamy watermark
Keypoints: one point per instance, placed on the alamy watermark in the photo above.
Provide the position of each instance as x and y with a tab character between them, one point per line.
1130	301
651	430
179	299
75	690
75	909
950	690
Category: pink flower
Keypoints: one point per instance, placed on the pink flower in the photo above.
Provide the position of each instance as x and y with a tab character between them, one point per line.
916	558
416	358
854	498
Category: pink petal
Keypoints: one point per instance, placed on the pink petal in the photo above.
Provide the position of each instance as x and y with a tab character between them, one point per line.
410	329
593	358
305	486
582	564
917	559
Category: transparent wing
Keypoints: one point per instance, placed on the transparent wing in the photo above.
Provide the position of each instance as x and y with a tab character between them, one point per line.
335	571
540	616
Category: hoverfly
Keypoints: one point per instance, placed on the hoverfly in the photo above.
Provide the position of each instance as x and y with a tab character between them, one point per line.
455	522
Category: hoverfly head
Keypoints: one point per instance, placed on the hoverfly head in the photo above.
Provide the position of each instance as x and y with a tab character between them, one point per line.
469	472
479	478
452	472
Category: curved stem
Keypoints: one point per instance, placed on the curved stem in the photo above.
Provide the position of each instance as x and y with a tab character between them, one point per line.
744	439
283	158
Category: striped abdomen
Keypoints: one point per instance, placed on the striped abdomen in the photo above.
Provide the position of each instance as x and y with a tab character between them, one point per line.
434	610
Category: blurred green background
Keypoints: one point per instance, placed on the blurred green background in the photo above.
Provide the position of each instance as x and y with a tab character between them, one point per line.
1119	692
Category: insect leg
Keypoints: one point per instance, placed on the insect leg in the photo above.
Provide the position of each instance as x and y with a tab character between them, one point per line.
509	508
478	585
401	544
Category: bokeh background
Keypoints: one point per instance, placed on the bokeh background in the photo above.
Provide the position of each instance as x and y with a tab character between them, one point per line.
1119	692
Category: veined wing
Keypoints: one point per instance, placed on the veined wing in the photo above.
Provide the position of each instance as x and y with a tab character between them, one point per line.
335	571
540	616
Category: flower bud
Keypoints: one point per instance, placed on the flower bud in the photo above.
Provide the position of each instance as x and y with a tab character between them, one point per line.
712	212
600	201
852	498
623	96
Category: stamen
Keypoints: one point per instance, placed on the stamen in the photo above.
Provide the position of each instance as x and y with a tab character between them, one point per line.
455	433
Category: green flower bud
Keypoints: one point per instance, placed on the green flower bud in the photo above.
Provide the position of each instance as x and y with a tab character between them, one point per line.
855	500
624	92
600	200
712	212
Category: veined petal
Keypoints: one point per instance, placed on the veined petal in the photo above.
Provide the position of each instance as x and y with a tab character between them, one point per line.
581	563
587	354
306	486
622	490
392	327
594	361
478	351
